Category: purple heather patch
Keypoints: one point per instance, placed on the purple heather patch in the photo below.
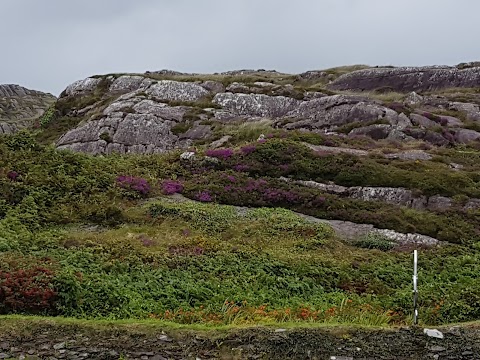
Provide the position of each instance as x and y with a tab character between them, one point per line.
12	175
204	196
170	187
220	153
137	184
248	149
241	168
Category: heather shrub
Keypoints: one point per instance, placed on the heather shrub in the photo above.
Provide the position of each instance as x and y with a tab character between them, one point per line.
203	196
239	189
170	187
220	153
279	157
268	192
13	175
248	149
133	186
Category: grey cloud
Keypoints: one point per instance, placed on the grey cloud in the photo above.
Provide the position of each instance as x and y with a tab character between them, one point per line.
48	44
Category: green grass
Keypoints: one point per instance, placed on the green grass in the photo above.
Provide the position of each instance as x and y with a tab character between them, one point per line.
10	323
243	132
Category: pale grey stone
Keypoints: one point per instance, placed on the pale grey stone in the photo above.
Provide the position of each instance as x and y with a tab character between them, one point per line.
465	136
220	142
81	87
256	105
188	156
129	83
401	121
471	110
472	204
169	90
451	121
423	121
337	150
160	109
20	107
410	155
213	87
197	132
433	333
413	99
337	110
376	131
59	346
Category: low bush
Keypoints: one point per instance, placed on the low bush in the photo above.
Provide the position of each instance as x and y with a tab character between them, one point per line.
26	287
375	241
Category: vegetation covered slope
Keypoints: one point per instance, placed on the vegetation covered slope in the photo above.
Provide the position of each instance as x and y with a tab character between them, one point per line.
110	236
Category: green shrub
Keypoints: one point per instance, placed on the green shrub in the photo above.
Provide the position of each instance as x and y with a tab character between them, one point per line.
48	116
375	241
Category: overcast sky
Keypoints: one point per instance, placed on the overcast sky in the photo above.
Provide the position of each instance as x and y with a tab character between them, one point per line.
48	44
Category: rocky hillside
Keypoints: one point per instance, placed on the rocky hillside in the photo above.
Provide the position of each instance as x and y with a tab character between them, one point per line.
19	107
159	111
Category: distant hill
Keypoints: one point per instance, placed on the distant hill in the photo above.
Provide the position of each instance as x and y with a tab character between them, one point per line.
19	107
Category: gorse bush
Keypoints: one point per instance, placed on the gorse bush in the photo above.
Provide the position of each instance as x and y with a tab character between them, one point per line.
48	116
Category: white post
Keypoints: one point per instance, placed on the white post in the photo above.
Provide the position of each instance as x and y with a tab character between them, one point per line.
415	289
